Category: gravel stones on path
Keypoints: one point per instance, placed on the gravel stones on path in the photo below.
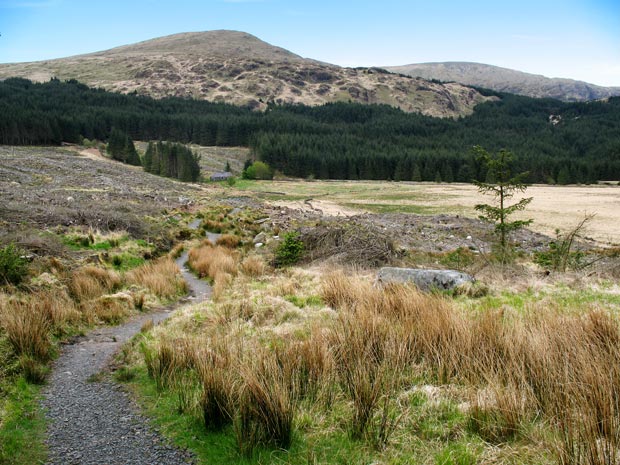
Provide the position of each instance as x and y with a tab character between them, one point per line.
96	422
93	420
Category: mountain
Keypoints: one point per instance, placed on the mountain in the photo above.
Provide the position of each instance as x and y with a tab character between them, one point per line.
507	80
238	68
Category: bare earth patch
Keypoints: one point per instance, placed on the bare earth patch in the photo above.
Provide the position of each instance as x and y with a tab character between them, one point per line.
324	207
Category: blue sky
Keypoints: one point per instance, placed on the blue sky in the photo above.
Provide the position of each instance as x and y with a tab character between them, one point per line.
577	39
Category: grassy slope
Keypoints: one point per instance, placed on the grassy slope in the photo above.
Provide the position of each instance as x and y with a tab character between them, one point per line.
284	306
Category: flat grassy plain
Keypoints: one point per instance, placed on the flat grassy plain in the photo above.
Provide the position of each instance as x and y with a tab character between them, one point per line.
552	207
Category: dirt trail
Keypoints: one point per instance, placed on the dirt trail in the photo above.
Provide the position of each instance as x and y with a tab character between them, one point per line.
95	421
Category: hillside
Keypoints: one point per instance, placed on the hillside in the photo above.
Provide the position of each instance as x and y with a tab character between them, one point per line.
555	141
238	68
507	80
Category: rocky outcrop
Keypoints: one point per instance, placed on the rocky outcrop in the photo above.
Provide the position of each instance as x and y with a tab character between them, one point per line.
425	280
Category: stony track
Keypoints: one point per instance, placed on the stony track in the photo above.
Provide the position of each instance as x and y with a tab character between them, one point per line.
93	421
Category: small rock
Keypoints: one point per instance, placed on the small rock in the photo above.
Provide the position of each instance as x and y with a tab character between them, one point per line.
258	245
260	238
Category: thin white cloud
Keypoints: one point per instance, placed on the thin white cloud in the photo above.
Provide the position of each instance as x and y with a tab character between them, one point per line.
243	1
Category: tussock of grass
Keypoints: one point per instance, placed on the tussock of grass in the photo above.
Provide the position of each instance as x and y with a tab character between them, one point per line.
253	266
27	329
267	404
90	281
209	261
161	277
110	309
503	382
228	240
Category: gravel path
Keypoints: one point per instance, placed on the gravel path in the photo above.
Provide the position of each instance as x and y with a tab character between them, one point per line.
97	422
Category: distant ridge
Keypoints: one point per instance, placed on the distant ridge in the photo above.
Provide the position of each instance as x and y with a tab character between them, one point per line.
238	68
507	80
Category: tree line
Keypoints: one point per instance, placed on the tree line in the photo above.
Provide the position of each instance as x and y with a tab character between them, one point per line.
172	160
555	142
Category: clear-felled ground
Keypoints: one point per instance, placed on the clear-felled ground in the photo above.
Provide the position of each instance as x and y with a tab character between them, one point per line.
47	186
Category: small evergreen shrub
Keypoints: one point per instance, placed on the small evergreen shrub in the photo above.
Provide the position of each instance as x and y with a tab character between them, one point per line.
13	267
290	249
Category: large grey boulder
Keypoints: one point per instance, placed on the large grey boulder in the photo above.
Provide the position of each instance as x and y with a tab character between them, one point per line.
425	280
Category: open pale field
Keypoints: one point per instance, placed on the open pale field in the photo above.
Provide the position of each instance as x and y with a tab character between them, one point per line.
553	206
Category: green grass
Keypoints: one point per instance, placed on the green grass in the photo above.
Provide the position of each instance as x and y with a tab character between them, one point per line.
305	301
560	296
126	261
22	427
313	441
372	196
456	454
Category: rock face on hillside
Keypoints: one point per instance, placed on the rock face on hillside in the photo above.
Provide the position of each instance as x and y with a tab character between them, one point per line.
238	68
507	80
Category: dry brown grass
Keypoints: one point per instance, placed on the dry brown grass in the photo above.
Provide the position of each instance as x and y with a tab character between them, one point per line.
209	261
27	329
228	240
177	250
161	277
221	282
56	305
219	384
564	368
253	266
89	282
110	309
266	403
543	370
